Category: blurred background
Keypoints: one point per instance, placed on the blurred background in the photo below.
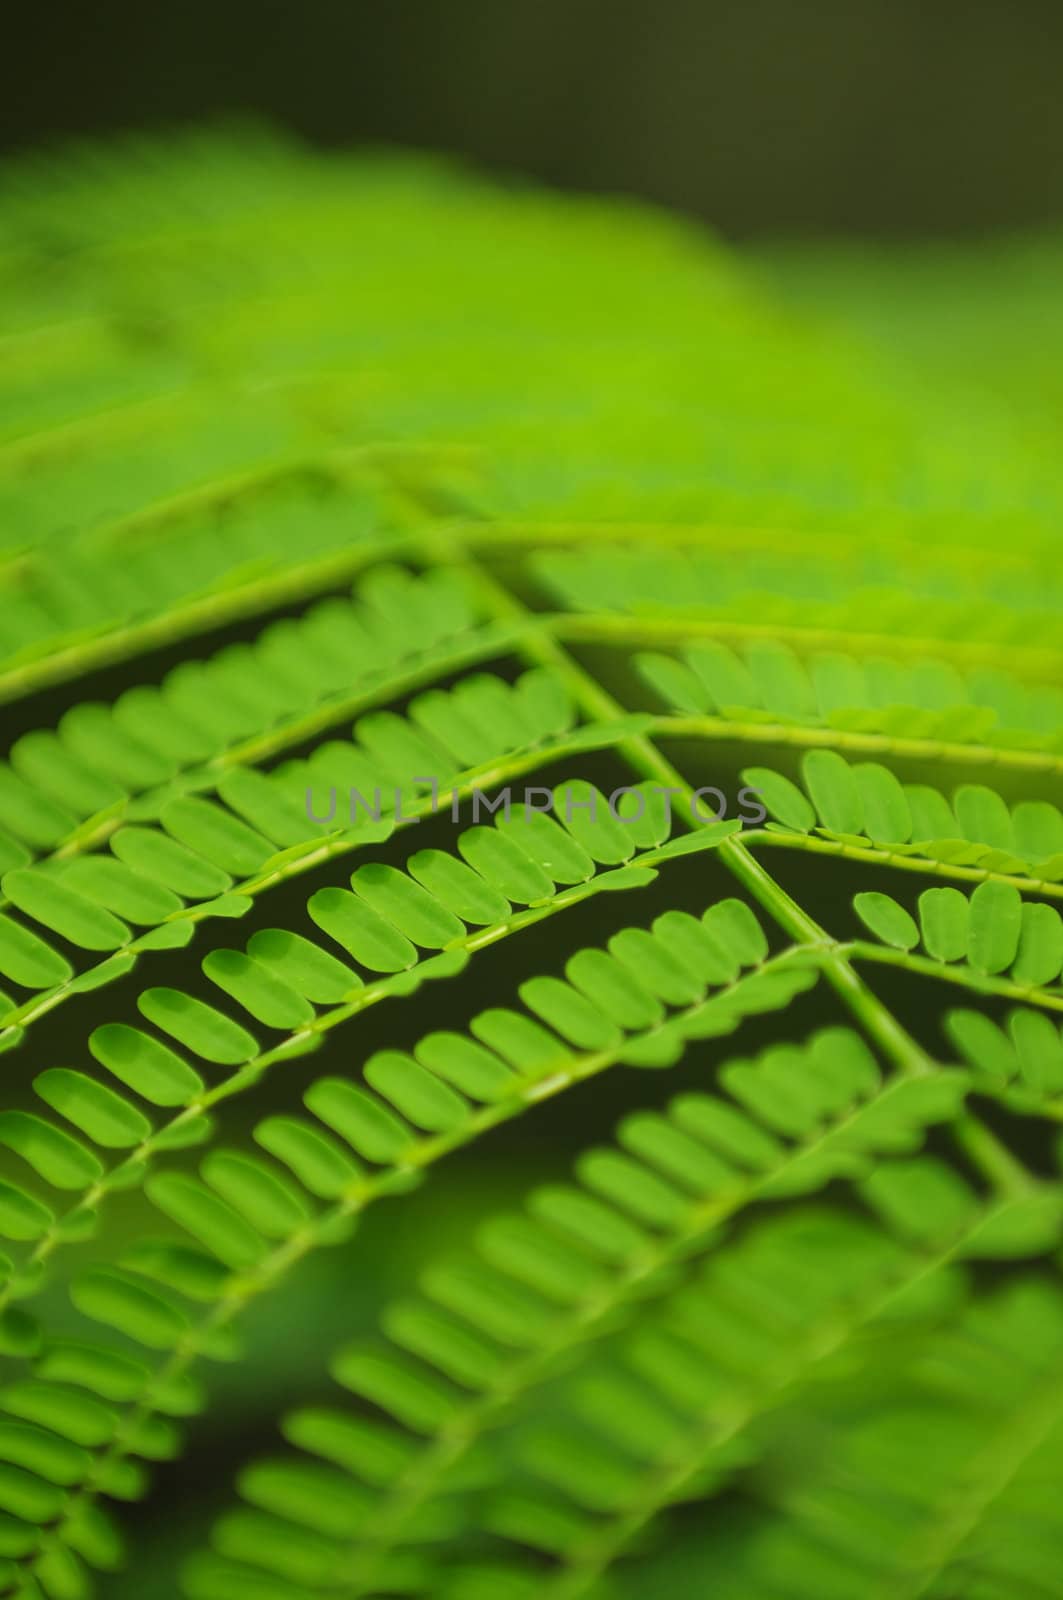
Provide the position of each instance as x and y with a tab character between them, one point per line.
894	117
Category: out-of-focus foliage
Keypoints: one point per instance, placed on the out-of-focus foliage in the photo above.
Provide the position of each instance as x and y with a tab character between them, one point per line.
619	511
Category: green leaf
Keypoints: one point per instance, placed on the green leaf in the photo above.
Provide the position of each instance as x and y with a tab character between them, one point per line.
569	1013
887	818
610	986
262	1197
415	1093
732	924
783	799
199	1027
216	835
180	1267
27	959
506	867
996	920
943	918
261	992
207	1218
368	1127
982	815
317	1161
458	888
1039	1048
674	682
269	812
361	931
982	1044
24	1495
120	1301
397	1387
53	1154
588	1222
55	1459
103	1116
407	906
644	811
587	815
164	861
886	919
545	842
118	888
145	1065
29	815
22	1216
306	968
476	1072
834	791
654	964
725	676
1039	955
1021	1227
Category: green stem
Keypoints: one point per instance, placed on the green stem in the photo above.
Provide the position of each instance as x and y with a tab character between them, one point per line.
963	977
884	857
223	605
1038	663
818	736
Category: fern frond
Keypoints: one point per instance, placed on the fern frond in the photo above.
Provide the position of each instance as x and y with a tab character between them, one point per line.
975	1515
66	790
970	940
548	1281
766	693
207	858
730	1342
615	1007
254	1224
670	1421
477	524
746	587
1023	1061
93	609
864	812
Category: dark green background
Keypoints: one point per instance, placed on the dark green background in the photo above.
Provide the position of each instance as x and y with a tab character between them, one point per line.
880	116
